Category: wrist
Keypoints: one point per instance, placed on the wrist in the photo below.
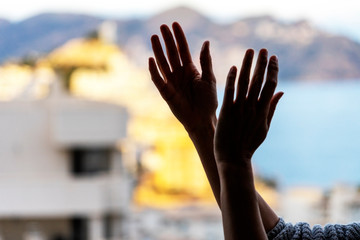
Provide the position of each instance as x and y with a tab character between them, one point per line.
237	175
234	165
205	129
227	157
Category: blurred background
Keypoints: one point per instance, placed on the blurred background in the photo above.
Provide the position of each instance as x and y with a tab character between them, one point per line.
90	151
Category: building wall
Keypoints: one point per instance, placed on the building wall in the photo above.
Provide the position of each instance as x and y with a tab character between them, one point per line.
37	182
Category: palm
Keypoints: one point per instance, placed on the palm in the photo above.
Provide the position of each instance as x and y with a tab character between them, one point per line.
244	122
190	95
237	134
193	99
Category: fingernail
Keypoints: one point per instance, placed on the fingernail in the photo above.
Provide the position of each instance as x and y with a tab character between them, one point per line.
250	51
154	37
274	58
263	51
204	46
207	44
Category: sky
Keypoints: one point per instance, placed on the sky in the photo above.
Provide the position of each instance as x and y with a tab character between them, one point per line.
334	15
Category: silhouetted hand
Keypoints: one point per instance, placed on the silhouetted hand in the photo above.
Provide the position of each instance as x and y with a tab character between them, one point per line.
190	95
244	122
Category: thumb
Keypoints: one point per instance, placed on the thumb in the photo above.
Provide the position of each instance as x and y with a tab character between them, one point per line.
206	62
274	101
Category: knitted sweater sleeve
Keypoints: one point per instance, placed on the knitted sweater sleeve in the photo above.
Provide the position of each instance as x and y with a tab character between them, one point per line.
302	231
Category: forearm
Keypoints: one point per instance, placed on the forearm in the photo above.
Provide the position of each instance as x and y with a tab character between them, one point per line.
239	203
268	216
203	140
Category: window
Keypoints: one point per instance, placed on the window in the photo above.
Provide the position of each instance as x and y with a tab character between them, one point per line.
79	228
90	161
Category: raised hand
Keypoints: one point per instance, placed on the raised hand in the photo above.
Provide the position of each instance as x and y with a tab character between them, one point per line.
242	126
190	95
244	122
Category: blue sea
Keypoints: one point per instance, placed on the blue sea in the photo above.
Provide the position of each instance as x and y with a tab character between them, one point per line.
314	139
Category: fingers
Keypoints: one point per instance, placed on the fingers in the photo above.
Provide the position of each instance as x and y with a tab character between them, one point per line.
206	62
229	87
274	101
244	78
158	80
155	75
270	84
258	77
267	101
182	44
174	53
159	56
171	49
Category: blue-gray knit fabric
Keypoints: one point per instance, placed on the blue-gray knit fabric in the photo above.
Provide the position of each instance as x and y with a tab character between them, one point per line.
303	231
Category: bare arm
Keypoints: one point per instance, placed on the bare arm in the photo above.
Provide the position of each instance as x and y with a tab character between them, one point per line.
190	95
192	98
242	127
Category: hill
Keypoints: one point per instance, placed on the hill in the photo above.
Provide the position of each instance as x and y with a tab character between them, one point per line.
4	23
305	52
43	33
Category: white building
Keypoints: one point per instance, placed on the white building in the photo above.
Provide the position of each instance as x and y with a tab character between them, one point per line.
341	205
303	204
61	174
344	204
193	222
